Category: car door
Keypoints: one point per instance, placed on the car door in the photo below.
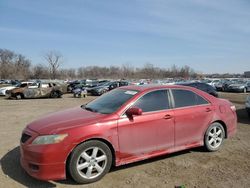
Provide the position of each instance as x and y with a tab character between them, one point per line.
151	131
32	91
192	114
45	90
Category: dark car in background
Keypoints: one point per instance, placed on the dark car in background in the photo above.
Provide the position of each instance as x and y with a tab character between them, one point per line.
219	85
99	90
202	86
239	86
72	84
85	84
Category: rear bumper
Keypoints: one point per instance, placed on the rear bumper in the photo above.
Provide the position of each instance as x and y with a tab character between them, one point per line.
232	129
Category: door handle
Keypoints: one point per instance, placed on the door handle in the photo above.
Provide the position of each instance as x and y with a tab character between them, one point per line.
167	116
208	110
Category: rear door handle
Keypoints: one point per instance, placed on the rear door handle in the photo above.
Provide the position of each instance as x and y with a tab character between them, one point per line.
167	116
208	110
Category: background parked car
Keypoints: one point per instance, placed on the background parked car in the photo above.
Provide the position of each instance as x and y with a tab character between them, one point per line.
239	86
82	84
213	82
99	90
248	105
202	86
37	90
219	85
19	85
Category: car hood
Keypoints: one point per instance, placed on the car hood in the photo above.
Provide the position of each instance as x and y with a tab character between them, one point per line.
66	119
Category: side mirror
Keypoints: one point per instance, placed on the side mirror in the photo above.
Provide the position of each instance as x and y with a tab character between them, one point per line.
133	111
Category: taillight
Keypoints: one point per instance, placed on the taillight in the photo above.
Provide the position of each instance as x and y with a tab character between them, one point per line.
233	108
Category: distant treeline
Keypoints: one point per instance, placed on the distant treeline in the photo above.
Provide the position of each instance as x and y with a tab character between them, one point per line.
17	66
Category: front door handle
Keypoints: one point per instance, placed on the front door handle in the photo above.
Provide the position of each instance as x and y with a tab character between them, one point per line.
167	116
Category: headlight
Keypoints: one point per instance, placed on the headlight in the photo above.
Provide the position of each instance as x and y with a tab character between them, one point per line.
49	139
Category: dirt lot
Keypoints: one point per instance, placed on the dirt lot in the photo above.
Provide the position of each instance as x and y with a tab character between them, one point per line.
230	167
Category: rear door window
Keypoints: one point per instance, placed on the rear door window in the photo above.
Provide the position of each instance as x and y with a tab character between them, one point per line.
184	98
153	101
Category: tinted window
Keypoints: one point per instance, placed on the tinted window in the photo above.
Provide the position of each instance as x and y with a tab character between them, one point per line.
200	100
153	101
183	98
111	101
23	85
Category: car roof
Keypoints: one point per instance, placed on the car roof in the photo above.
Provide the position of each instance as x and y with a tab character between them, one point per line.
147	87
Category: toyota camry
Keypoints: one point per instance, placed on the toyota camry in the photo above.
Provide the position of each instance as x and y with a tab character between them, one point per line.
125	125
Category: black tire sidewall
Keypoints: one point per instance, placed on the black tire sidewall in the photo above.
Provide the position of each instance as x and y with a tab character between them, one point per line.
75	155
18	96
54	94
206	144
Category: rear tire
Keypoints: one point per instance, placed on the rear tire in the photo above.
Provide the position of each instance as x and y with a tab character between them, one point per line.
90	161
214	137
54	94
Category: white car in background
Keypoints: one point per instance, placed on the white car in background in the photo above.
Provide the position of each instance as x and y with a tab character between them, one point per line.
4	89
22	84
214	82
248	105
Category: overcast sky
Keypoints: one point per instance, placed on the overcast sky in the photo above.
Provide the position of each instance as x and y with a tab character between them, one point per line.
208	35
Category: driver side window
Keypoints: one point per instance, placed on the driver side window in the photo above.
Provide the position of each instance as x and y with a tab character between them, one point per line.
153	101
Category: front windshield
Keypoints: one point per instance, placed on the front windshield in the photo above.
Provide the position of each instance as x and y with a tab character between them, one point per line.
111	101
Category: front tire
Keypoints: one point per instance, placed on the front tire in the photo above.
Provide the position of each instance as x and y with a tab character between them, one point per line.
214	137
19	96
90	161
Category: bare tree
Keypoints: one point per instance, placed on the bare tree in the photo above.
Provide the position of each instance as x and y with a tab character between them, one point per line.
13	65
54	60
39	72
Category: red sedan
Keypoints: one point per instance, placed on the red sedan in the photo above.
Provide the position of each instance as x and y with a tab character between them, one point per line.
125	125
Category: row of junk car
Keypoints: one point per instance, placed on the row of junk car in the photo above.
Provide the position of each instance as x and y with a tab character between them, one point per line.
14	89
79	88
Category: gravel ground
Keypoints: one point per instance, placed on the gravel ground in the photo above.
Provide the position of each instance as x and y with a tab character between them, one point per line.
229	167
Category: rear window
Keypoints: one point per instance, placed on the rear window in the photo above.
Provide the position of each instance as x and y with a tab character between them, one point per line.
184	98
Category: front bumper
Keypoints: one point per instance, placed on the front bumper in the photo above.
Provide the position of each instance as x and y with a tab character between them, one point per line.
44	171
43	162
2	93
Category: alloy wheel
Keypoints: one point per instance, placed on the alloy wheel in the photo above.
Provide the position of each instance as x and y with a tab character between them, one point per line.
215	137
91	162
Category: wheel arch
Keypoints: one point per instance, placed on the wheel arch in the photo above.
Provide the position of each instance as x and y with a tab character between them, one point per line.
98	139
19	93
